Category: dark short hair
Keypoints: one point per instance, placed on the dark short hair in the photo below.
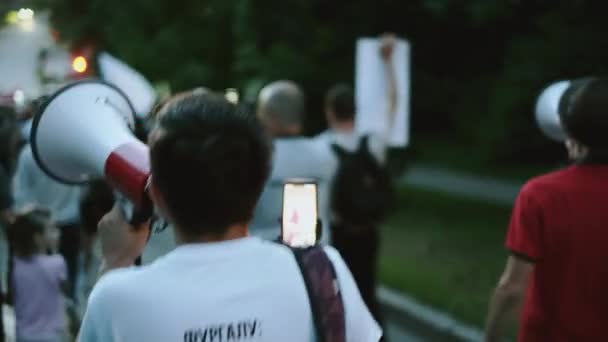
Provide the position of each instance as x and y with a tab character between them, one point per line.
22	231
584	112
210	164
341	101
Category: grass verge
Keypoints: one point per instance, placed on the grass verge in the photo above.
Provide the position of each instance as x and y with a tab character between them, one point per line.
445	251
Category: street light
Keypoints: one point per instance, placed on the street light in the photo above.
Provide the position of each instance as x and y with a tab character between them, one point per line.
12	17
25	14
232	95
80	64
19	98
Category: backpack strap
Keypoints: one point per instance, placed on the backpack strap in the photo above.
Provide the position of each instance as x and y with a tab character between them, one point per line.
363	144
323	292
339	150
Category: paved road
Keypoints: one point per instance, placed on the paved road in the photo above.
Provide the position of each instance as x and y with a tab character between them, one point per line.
428	323
19	48
484	188
396	333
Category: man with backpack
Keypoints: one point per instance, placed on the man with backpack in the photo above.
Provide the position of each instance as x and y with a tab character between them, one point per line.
361	193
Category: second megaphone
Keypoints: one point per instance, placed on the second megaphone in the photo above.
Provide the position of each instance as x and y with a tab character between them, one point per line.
85	131
547	110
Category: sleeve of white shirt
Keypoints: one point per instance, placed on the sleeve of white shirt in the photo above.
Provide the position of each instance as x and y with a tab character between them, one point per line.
360	325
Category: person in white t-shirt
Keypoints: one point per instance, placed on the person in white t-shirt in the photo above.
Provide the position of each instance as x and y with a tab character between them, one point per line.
209	162
281	110
358	244
340	110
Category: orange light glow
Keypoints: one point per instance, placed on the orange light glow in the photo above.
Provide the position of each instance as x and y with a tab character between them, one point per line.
80	64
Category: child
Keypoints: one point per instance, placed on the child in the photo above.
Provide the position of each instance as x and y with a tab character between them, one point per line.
38	277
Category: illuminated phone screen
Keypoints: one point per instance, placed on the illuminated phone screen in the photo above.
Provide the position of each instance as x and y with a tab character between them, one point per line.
299	214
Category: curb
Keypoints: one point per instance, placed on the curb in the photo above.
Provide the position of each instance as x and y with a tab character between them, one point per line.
432	323
493	190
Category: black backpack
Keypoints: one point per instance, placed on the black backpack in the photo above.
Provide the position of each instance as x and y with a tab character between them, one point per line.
362	190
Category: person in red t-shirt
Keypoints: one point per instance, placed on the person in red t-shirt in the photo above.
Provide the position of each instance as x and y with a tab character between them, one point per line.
558	237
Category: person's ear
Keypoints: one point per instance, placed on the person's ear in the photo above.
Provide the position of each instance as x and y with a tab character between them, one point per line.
330	115
157	198
576	150
294	129
40	240
153	192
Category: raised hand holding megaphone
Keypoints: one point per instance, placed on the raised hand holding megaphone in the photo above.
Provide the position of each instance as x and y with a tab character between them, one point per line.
85	131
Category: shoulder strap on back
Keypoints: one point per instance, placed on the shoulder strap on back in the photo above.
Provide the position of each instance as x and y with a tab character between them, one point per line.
323	292
339	150
363	144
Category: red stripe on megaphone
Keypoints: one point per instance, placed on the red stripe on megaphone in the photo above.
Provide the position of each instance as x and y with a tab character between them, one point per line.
128	169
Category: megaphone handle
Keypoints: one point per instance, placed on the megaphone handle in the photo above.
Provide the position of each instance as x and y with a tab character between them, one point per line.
139	216
135	215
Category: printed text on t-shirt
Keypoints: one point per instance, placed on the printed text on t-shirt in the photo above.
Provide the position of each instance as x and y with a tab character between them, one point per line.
225	332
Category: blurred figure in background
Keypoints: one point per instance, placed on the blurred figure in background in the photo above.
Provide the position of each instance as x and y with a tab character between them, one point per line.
32	186
558	236
361	192
38	278
9	143
281	109
96	200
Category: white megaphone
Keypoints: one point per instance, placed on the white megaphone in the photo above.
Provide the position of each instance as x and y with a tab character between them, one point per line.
85	131
547	110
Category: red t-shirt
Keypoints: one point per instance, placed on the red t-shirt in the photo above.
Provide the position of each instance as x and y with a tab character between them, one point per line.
560	221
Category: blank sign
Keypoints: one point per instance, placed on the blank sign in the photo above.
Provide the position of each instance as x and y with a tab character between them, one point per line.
372	94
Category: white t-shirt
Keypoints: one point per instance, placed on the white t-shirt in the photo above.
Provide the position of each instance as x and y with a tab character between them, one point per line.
216	292
32	185
294	158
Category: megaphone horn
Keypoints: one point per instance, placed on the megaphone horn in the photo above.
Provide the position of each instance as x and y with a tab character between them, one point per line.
85	131
547	110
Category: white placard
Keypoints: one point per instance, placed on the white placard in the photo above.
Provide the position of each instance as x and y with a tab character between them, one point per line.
139	91
372	93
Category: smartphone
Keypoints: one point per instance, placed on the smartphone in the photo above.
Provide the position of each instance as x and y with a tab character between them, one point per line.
300	213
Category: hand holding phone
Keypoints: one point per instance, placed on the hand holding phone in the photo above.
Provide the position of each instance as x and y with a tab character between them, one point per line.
300	218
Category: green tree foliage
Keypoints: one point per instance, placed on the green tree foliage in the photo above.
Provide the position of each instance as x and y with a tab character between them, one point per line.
187	42
477	65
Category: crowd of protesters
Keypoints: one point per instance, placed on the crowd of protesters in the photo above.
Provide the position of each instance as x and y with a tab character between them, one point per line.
217	262
51	254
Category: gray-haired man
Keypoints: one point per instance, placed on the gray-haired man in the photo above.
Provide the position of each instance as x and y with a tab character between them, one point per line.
281	108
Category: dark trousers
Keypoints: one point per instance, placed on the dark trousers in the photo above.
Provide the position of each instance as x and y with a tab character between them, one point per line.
359	249
69	247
